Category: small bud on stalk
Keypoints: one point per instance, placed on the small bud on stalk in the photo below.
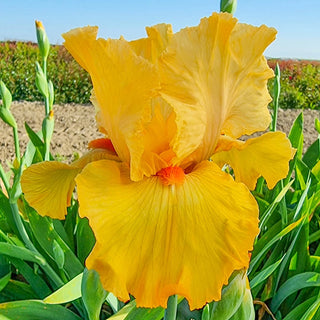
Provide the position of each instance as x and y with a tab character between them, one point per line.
5	113
228	6
51	94
43	41
41	81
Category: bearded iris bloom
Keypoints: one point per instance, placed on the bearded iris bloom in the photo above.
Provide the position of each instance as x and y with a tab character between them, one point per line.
172	106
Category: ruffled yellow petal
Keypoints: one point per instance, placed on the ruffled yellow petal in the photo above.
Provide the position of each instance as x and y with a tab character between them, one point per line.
267	156
158	38
48	186
214	76
155	240
124	85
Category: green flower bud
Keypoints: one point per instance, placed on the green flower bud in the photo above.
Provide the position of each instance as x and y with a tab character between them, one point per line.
6	95
51	94
7	117
47	127
232	297
5	113
228	6
41	81
43	41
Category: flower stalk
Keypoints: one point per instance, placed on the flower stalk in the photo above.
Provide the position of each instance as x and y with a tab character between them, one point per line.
45	87
171	311
8	118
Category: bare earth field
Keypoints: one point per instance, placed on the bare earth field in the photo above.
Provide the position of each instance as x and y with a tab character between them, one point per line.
75	127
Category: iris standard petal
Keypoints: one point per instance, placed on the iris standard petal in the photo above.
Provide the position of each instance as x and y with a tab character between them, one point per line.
124	85
214	76
158	38
48	186
155	240
267	156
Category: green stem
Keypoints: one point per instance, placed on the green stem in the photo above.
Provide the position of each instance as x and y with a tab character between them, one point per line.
16	143
276	94
171	311
4	179
47	111
25	238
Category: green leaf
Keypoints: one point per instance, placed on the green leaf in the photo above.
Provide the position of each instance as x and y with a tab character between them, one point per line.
33	136
264	274
312	155
58	254
45	233
69	292
31	275
124	312
93	294
16	290
267	246
295	283
4	280
317	124
296	135
299	310
113	302
85	239
131	312
35	310
20	252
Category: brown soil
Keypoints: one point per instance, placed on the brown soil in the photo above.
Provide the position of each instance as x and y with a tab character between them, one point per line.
75	127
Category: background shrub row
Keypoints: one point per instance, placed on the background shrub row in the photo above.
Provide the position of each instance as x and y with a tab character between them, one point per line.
300	79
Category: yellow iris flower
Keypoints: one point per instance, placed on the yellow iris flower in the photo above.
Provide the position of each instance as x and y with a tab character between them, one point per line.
166	218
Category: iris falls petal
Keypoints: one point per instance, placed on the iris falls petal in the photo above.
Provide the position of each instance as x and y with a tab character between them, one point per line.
155	240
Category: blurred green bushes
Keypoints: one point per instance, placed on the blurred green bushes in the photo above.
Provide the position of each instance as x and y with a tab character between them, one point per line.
300	83
300	79
17	70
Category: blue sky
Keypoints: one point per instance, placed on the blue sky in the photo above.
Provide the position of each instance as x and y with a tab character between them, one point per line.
297	21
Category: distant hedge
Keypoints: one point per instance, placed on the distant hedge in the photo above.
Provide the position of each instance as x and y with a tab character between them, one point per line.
300	79
17	70
300	83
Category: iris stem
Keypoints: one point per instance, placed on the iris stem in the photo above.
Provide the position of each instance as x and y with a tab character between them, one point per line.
47	111
4	179
16	143
171	311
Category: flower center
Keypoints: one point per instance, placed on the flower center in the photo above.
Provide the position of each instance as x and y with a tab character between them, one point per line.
171	175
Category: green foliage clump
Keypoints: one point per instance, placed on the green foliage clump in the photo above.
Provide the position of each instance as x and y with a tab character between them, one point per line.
300	83
17	61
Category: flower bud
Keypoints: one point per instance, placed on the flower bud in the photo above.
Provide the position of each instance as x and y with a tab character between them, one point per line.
7	117
48	127
51	94
228	6
41	81
6	95
5	113
43	41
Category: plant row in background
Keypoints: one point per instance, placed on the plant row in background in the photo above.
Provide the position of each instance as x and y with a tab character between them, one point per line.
300	79
17	71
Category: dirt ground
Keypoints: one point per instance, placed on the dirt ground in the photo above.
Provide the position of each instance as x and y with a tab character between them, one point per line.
75	127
